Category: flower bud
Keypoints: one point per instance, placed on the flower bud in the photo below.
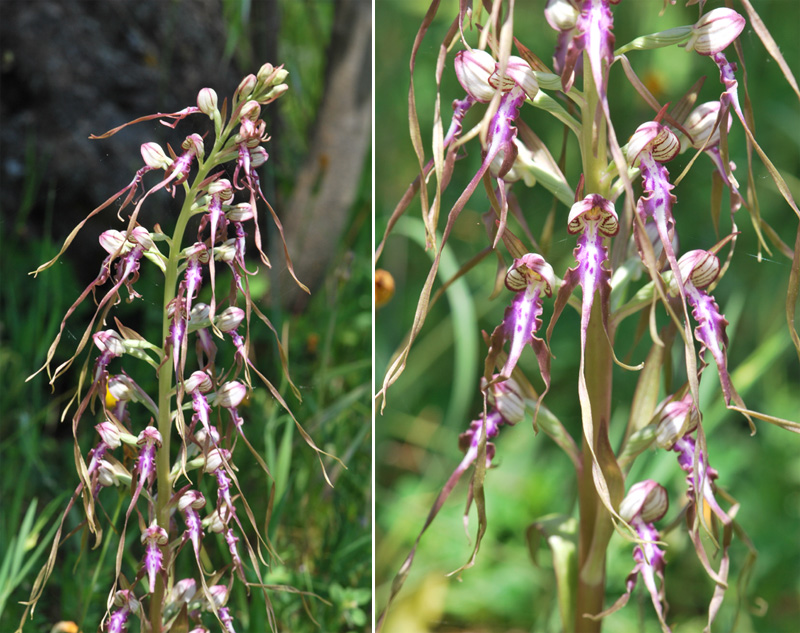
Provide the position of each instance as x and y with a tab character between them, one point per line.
229	319
264	74
154	156
109	433
246	87
198	380
241	212
675	421
507	398
207	101
275	92
280	76
114	241
473	68
183	591
699	267
110	341
700	124
715	31
647	500
230	395
142	237
250	110
561	15
258	156
215	458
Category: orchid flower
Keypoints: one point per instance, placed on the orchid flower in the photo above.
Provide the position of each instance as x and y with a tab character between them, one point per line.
250	156
595	219
699	269
219	191
173	345
645	503
127	603
651	145
530	277
199	322
562	16
189	503
592	33
700	125
196	255
150	441
218	522
477	72
677	422
197	385
153	538
215	465
507	408
218	598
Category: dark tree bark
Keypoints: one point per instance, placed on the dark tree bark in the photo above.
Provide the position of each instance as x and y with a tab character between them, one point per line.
70	69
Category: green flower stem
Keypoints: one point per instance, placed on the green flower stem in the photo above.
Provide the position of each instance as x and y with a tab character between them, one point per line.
595	527
165	385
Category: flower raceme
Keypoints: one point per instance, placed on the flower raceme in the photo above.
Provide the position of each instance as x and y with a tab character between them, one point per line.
676	301
149	424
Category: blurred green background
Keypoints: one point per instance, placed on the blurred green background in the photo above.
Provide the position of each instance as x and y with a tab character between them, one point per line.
437	396
322	535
